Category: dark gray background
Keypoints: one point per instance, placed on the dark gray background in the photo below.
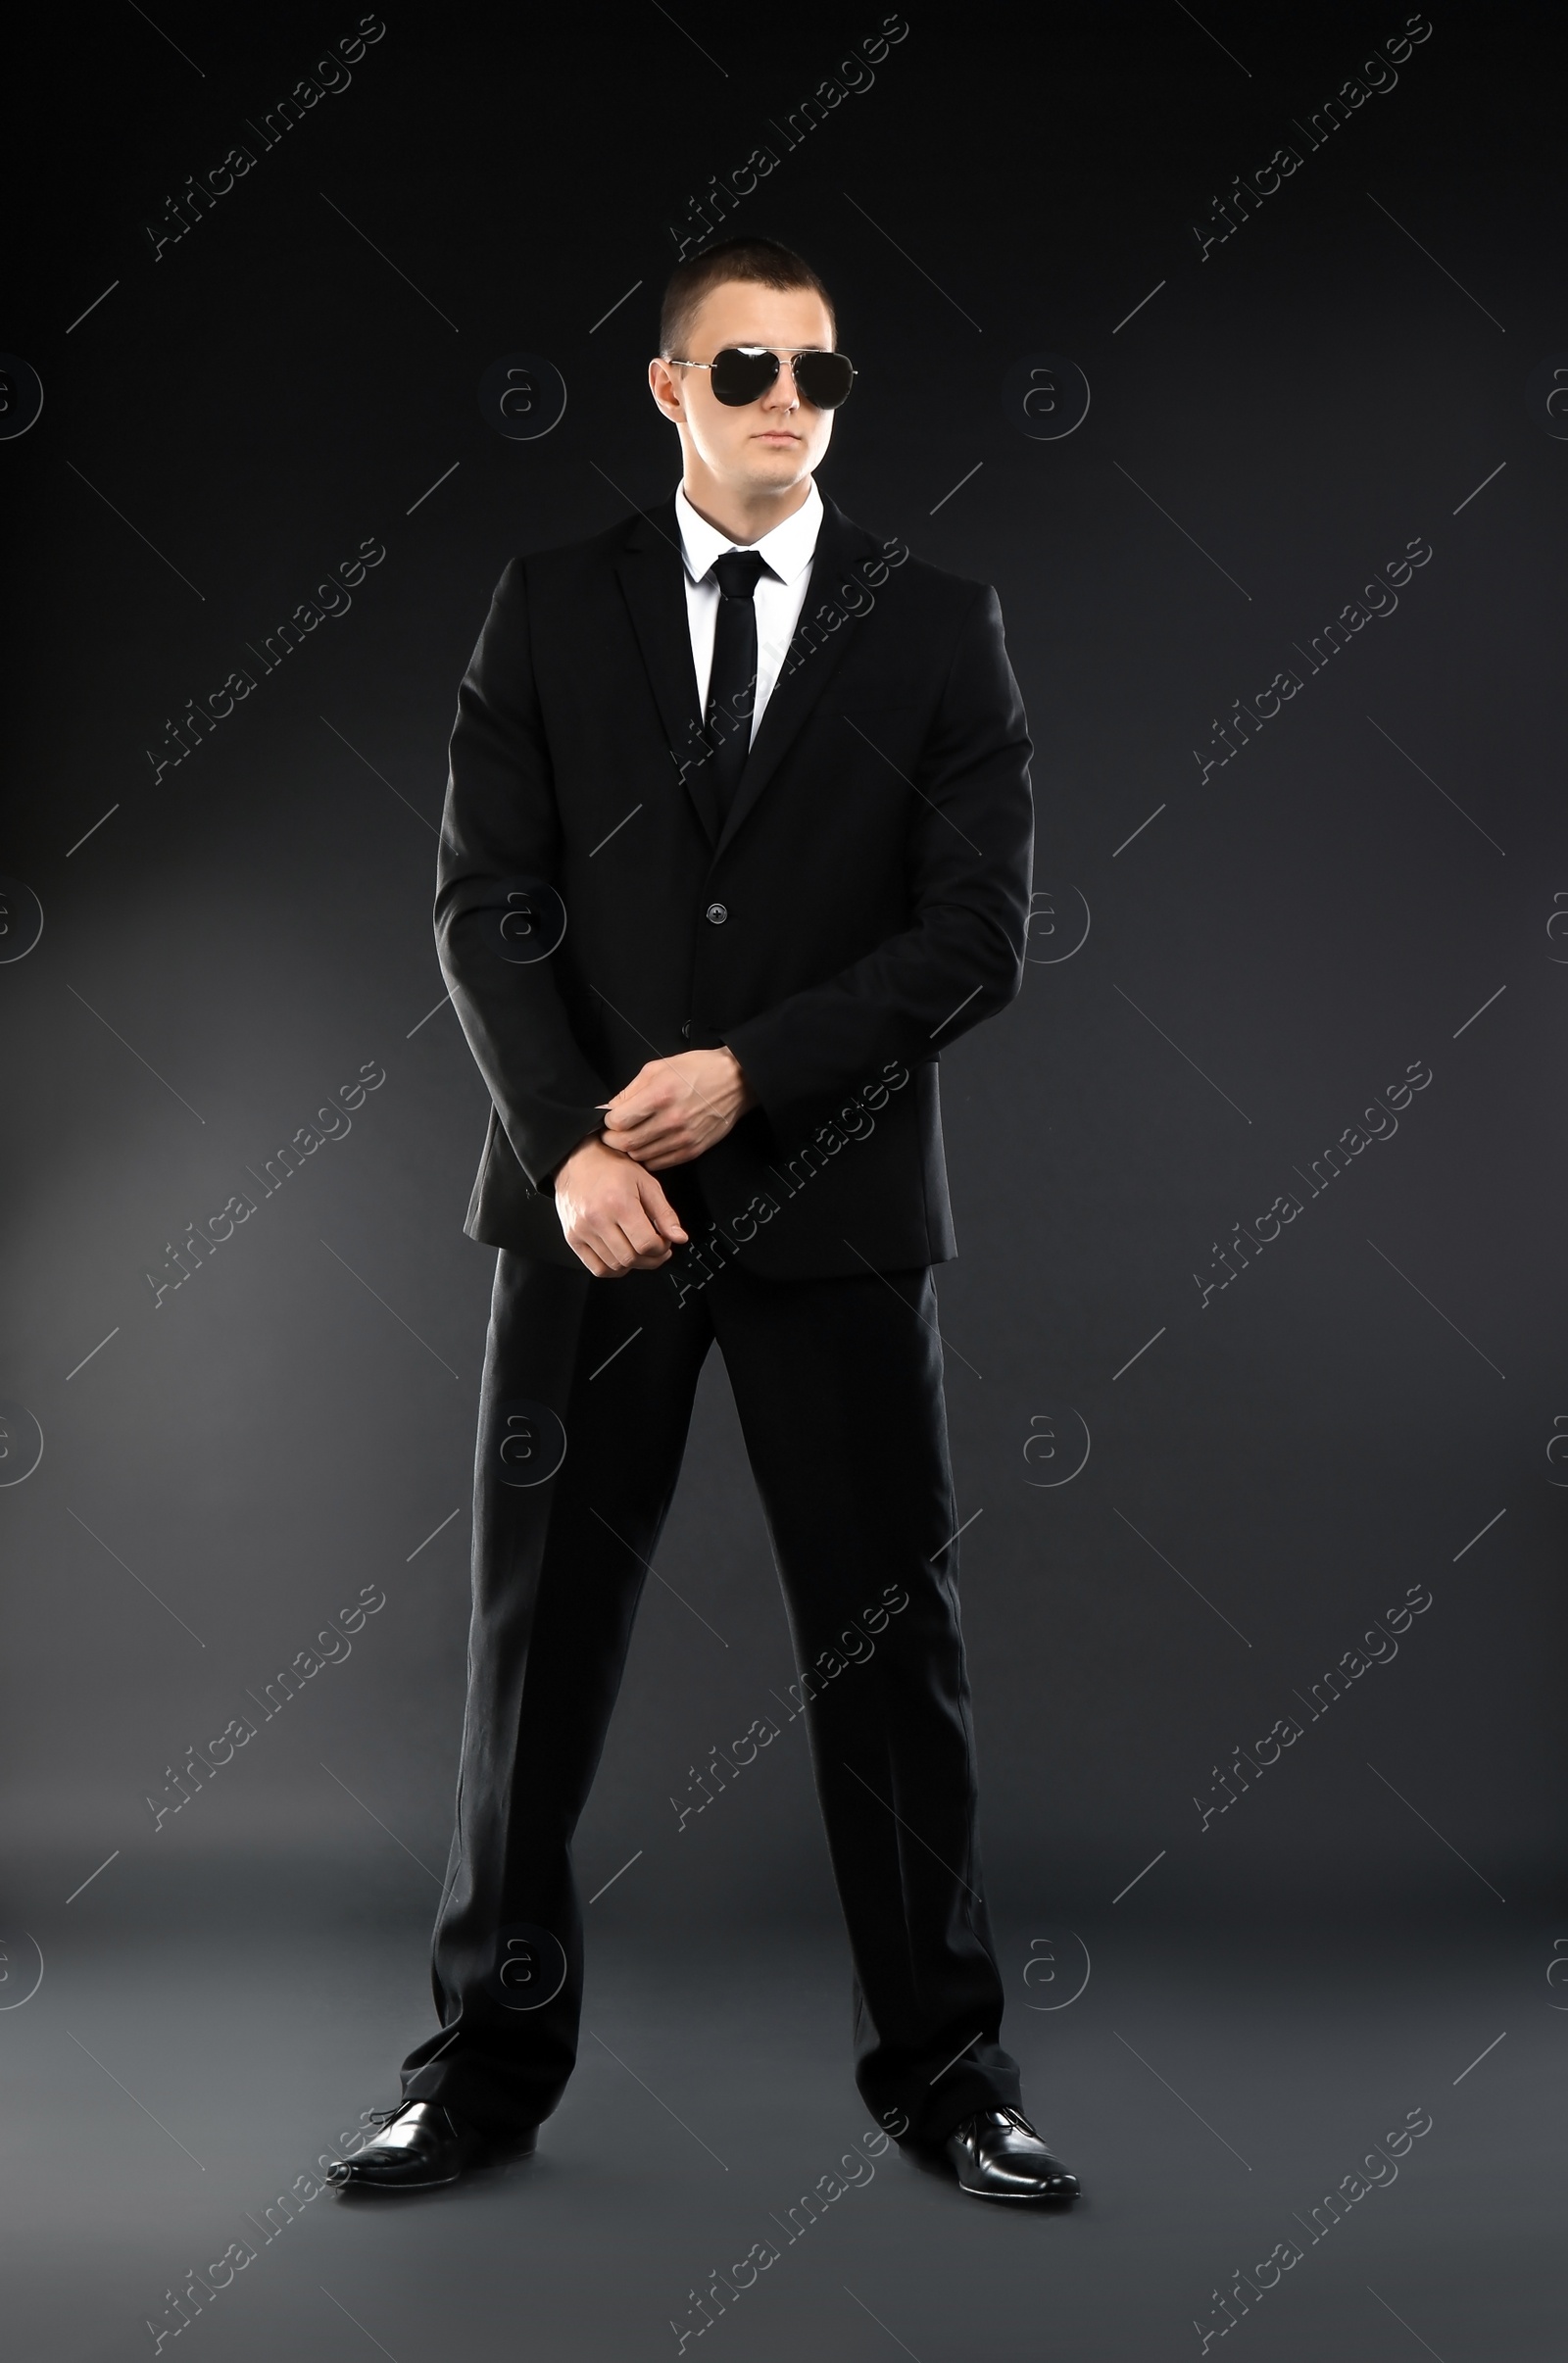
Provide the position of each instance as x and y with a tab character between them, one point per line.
1272	425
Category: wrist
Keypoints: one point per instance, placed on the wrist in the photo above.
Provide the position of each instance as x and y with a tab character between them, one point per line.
590	1141
748	1097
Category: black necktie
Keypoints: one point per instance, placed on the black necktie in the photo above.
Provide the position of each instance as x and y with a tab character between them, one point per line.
732	682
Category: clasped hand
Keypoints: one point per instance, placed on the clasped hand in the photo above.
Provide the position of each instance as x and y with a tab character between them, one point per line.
673	1109
614	1215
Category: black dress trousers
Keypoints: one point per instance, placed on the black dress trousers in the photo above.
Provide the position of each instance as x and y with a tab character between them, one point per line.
587	1397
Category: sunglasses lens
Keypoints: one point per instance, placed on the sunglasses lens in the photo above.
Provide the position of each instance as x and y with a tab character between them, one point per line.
824	379
740	377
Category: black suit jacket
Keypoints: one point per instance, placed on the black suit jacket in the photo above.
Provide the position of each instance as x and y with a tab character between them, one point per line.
864	903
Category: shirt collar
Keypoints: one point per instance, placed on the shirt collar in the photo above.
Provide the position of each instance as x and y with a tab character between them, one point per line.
787	551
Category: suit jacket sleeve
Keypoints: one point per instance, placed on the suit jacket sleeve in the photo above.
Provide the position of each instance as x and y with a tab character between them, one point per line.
969	853
499	830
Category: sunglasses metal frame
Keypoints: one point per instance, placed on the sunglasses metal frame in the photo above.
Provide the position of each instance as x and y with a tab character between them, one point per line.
756	352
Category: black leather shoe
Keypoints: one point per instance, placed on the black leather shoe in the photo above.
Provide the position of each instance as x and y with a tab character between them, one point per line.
998	2155
422	2146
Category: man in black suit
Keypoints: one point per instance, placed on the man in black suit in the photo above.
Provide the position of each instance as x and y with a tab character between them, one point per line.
737	838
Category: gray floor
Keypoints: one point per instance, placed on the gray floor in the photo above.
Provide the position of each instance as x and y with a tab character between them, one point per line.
1209	2086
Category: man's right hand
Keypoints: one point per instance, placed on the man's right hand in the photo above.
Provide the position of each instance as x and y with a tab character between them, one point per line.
614	1215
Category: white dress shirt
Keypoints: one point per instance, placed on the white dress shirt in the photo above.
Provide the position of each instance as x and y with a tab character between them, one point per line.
787	554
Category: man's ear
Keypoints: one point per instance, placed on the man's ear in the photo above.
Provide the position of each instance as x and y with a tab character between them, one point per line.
662	384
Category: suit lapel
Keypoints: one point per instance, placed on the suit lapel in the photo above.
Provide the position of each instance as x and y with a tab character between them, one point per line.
839	543
653	582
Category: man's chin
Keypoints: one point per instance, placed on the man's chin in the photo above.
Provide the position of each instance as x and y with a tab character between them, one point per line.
779	471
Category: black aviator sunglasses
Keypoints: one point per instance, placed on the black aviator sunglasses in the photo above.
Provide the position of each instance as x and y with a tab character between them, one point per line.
743	373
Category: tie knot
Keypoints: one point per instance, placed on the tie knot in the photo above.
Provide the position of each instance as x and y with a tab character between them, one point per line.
737	572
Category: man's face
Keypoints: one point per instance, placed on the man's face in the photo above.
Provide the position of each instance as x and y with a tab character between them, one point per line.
772	444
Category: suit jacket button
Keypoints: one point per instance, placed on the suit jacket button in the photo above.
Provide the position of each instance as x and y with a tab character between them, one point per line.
717	914
686	1029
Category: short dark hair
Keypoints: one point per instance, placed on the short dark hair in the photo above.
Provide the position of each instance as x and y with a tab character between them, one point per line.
763	260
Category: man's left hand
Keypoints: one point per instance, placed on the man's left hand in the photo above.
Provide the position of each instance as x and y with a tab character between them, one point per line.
674	1109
